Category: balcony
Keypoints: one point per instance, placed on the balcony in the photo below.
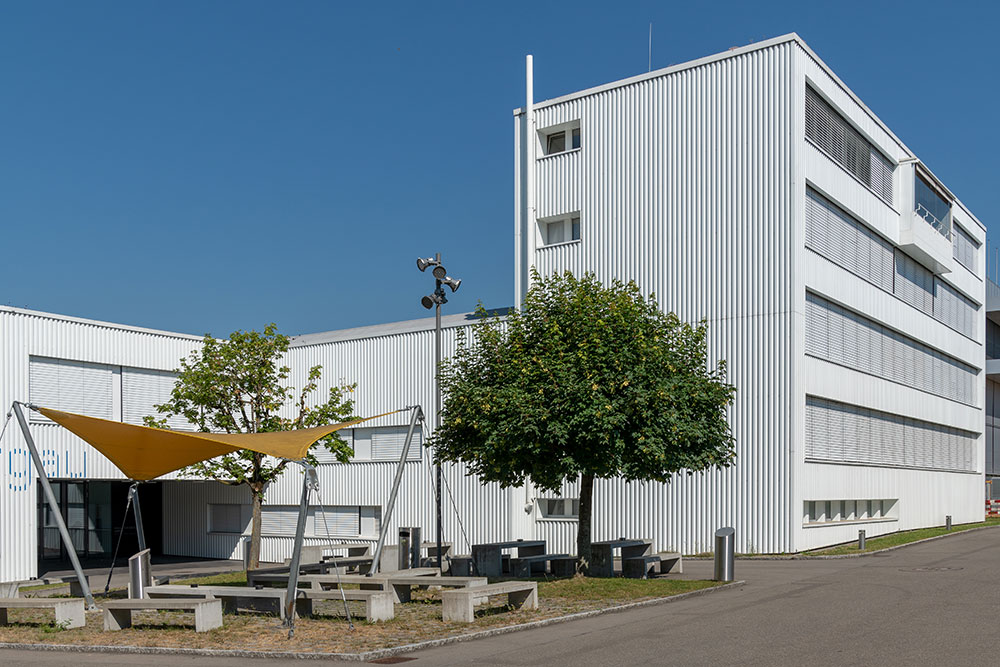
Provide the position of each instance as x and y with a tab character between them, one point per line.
925	227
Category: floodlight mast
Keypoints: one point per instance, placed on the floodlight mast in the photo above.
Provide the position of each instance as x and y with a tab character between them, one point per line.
436	300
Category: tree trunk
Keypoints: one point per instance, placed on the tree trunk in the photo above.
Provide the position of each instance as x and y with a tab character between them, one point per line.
583	531
258	500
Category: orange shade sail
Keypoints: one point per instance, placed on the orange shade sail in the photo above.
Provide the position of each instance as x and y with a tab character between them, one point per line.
143	453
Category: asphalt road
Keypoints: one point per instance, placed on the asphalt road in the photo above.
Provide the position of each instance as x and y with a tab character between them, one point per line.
936	603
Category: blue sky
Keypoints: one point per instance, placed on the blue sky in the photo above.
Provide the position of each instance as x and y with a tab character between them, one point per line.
208	166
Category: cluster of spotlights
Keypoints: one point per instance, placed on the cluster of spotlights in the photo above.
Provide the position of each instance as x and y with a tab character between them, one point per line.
441	276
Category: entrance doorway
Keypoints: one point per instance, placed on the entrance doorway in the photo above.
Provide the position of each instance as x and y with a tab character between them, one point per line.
94	513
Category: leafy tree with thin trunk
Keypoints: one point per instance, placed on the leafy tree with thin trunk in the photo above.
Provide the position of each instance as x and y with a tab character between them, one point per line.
240	385
587	381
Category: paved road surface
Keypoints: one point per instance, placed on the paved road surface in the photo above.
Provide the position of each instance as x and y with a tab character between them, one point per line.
932	604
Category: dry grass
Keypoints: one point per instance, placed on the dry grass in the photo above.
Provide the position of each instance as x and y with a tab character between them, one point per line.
328	631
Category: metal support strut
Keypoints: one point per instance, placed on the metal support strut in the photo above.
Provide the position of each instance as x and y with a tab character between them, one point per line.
417	415
54	505
310	481
133	492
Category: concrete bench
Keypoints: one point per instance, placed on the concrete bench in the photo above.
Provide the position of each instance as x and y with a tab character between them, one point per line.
461	566
563	566
670	559
639	567
69	612
398	583
378	603
207	613
458	606
525	566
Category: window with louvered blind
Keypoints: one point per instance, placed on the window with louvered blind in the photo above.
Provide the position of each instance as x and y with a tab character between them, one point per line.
840	335
914	284
337	521
72	386
142	390
951	307
843	433
843	240
964	248
387	442
835	136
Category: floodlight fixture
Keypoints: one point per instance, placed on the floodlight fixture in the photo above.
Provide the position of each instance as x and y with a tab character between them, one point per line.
427	302
439	272
422	263
453	283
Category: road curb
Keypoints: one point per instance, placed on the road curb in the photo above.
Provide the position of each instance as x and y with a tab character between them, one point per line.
806	556
368	655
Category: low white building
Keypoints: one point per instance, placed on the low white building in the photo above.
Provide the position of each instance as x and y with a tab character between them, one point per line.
842	281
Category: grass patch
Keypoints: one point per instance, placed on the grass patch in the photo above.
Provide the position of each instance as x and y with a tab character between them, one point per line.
238	578
328	632
902	537
616	589
43	587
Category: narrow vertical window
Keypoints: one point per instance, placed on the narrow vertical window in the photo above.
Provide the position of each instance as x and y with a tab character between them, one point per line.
576	228
576	137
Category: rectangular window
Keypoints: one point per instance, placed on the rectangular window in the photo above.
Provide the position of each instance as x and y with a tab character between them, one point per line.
931	206
335	520
555	143
843	433
964	248
559	508
229	518
387	442
72	386
142	389
561	231
576	137
833	134
847	338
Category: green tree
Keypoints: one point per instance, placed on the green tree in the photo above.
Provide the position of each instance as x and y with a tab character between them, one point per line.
240	385
585	382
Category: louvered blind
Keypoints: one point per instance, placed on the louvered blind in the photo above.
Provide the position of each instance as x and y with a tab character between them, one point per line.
914	284
829	130
837	334
228	517
342	520
952	308
837	236
72	386
142	389
387	443
839	432
964	248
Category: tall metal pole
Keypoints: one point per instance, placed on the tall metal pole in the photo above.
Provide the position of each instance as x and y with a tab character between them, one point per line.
54	505
437	416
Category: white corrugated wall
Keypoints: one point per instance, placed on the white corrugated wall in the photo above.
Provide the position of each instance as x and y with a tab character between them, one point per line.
683	185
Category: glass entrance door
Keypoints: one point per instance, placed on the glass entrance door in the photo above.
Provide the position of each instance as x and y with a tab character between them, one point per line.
86	509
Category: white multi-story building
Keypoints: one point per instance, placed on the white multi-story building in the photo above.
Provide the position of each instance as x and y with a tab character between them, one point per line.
841	280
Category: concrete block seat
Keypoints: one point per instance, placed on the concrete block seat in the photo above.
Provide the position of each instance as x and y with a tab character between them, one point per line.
207	612
461	565
526	566
69	612
459	605
378	603
398	583
563	566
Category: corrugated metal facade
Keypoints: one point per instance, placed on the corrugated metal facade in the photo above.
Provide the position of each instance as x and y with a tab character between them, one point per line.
26	334
683	185
692	181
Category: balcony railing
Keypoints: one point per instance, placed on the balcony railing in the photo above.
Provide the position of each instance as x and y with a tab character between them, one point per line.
943	228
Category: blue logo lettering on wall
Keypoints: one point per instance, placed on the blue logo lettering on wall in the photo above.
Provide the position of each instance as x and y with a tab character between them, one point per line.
19	467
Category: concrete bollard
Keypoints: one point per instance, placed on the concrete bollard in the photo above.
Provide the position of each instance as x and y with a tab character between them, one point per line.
861	540
947	522
725	553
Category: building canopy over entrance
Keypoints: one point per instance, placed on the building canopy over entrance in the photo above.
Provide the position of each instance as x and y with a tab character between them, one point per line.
143	453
